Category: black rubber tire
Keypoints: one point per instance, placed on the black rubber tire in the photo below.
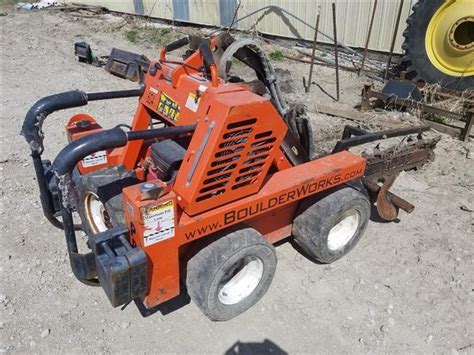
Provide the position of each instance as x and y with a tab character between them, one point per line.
107	184
416	60
317	216
207	269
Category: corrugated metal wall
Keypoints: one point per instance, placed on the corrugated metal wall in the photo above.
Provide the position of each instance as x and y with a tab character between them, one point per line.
352	16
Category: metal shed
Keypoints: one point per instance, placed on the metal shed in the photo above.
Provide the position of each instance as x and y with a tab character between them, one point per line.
353	16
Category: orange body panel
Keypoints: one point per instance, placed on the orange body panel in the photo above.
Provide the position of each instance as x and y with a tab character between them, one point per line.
275	225
98	160
176	110
231	151
274	204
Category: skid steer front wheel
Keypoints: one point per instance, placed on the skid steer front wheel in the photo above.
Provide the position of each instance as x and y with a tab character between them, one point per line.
329	227
230	275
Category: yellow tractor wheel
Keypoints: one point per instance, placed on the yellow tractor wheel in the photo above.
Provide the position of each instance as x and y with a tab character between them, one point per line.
439	43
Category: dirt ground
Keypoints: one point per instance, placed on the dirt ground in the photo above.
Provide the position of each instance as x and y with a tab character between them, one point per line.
407	286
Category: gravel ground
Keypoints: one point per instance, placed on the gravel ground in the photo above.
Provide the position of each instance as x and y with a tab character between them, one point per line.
407	287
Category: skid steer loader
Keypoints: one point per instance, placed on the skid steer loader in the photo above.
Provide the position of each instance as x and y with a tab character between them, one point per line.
212	171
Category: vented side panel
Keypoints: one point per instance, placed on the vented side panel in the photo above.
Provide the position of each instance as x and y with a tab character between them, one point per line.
240	161
230	153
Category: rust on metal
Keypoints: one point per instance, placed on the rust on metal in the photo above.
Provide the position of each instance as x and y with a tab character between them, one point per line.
396	200
385	101
384	167
385	207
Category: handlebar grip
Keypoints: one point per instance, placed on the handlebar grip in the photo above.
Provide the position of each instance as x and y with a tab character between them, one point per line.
177	44
206	53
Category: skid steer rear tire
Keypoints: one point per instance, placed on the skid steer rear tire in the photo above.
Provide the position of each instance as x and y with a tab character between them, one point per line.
231	274
103	187
328	227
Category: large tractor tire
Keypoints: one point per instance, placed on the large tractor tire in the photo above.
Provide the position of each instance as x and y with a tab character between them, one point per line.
439	43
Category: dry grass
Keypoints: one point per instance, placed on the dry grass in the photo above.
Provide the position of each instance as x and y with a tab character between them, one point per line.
431	96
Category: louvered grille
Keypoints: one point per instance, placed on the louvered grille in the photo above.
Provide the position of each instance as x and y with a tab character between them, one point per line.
239	161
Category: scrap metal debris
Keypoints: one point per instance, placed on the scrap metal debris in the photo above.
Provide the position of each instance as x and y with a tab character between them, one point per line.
401	95
36	5
84	54
124	64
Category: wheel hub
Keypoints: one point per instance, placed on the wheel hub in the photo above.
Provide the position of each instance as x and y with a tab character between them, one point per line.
96	214
450	39
461	35
343	231
240	280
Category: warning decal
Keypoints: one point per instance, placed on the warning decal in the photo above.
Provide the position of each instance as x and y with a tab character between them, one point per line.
192	102
159	223
97	158
168	107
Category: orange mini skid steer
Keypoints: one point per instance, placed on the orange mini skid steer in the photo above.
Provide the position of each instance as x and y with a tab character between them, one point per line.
196	203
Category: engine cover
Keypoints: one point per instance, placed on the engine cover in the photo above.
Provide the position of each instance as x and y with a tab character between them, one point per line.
167	156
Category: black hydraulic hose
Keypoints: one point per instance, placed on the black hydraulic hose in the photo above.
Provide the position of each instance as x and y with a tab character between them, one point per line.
68	158
71	241
206	53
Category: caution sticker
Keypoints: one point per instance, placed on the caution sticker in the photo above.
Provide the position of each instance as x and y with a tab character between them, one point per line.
159	223
168	107
193	102
97	158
